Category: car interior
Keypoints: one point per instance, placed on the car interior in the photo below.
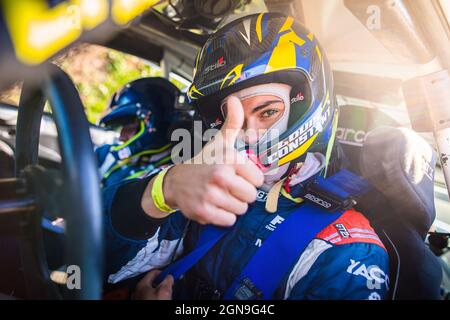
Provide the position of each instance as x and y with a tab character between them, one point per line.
385	56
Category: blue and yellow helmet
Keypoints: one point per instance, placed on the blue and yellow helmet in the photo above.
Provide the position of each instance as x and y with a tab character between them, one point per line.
270	48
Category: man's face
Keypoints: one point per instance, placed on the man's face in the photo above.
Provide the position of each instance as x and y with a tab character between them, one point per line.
128	131
260	114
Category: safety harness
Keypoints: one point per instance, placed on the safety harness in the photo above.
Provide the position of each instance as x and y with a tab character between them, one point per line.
326	199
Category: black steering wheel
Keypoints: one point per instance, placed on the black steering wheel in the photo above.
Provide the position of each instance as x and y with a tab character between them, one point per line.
73	192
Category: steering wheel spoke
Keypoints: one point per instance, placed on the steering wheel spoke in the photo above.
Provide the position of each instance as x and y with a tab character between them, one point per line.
49	190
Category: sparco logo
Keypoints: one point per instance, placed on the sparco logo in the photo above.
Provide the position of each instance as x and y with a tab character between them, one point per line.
319	201
220	63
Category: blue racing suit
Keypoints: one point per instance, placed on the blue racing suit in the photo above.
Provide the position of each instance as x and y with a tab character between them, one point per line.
129	168
346	260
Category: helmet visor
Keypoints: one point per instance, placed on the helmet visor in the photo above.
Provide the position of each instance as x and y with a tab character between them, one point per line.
120	116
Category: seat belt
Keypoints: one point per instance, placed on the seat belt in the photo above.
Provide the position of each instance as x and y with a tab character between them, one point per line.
208	238
268	266
329	199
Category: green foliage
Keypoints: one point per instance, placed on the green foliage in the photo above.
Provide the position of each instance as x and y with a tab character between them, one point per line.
120	69
97	73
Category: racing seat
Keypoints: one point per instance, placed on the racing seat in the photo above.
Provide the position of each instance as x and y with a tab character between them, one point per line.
400	166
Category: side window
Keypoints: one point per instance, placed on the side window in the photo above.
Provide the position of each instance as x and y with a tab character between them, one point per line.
98	72
11	94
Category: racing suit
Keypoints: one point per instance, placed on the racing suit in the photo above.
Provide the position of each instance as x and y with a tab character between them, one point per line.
346	260
128	168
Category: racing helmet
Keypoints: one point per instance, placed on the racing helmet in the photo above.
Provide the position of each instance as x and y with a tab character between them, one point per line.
151	102
270	48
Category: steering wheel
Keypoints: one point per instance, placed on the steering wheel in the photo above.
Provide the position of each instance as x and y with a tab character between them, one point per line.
73	192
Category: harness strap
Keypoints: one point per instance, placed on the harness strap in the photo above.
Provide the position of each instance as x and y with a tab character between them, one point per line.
208	238
268	266
278	253
266	269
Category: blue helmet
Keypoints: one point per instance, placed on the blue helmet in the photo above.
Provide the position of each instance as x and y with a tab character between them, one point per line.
270	48
151	102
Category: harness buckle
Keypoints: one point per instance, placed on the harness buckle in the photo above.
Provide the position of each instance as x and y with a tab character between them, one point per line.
325	199
248	291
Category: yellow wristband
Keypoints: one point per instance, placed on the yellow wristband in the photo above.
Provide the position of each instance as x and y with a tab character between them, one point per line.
158	194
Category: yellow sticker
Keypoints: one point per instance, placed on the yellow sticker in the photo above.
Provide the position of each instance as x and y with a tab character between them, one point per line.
39	31
237	73
123	11
93	12
299	151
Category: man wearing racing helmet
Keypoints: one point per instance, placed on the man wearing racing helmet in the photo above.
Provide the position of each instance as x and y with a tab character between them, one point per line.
268	75
143	110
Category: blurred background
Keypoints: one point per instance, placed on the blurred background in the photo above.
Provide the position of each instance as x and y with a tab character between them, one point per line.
97	72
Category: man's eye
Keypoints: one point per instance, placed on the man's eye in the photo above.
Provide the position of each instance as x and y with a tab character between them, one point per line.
269	113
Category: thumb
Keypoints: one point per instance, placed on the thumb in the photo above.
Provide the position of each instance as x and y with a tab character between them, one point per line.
148	279
167	282
165	288
234	120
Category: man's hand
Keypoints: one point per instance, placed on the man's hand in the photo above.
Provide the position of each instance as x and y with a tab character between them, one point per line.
221	186
145	290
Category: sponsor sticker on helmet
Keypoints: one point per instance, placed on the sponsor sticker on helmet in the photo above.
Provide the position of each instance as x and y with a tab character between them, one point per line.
299	137
299	97
216	123
221	62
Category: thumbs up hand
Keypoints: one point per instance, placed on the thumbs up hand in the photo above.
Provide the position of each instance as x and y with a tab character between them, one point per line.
221	149
220	183
233	122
